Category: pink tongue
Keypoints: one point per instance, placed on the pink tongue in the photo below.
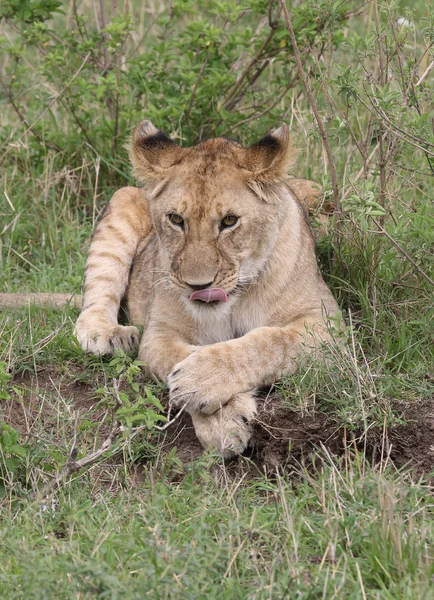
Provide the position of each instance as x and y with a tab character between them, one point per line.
212	295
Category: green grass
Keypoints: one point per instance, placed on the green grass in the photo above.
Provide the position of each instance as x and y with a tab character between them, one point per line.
349	531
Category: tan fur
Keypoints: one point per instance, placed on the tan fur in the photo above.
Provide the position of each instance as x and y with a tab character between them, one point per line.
213	356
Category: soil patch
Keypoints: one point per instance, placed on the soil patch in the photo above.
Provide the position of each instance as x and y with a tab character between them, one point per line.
285	439
282	439
38	401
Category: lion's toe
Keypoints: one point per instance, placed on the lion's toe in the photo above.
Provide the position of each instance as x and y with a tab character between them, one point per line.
107	339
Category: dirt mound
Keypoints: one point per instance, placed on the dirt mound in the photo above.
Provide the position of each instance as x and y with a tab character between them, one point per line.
286	439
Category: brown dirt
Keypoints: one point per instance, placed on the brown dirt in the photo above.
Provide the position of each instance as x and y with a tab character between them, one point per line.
282	439
36	389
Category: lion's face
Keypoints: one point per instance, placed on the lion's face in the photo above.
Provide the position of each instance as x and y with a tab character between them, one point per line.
216	222
213	230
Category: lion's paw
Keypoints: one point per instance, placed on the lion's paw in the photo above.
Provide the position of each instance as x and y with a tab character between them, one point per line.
200	383
230	428
106	339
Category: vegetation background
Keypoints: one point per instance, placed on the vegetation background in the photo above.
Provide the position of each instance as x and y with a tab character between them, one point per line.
90	505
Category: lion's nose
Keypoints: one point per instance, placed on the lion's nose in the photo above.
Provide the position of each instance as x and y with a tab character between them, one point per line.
196	287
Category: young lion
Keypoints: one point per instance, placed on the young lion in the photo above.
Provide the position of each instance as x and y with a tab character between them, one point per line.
215	258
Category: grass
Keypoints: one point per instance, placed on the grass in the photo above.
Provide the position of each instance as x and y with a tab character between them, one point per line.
145	520
337	534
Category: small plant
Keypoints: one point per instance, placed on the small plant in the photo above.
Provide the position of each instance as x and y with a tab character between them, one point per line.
362	203
13	458
133	403
10	445
5	377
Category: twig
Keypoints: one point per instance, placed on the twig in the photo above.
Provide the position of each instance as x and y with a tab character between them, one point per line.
427	70
383	115
176	417
116	391
193	94
237	64
314	107
382	163
72	466
104	35
79	123
24	120
261	114
73	450
403	252
246	70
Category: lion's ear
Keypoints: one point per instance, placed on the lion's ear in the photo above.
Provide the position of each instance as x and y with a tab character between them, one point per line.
270	159
152	153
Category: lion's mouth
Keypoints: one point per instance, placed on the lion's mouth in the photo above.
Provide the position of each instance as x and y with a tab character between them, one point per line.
210	295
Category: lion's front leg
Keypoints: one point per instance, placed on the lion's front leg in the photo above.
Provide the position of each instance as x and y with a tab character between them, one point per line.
211	376
161	349
114	245
228	430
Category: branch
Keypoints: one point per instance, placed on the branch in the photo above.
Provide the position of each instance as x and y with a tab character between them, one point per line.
314	107
24	120
427	70
193	94
246	70
104	35
261	114
403	252
72	466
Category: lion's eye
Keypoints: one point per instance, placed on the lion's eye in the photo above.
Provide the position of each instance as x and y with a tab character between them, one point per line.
229	221
176	219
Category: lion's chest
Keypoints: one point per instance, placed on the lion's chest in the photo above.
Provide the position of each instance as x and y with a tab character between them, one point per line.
213	330
223	325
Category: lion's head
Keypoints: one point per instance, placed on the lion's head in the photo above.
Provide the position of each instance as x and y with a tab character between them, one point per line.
216	208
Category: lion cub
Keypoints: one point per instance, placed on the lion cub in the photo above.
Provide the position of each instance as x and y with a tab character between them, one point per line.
215	258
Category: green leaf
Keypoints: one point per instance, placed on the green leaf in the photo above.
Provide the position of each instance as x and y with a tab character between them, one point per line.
17	450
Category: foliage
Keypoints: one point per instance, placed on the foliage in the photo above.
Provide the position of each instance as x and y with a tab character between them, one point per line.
197	69
345	534
212	59
30	11
11	450
5	377
133	406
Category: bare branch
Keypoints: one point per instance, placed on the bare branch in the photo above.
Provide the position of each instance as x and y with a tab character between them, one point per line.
193	94
261	114
425	73
382	231
24	120
314	107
